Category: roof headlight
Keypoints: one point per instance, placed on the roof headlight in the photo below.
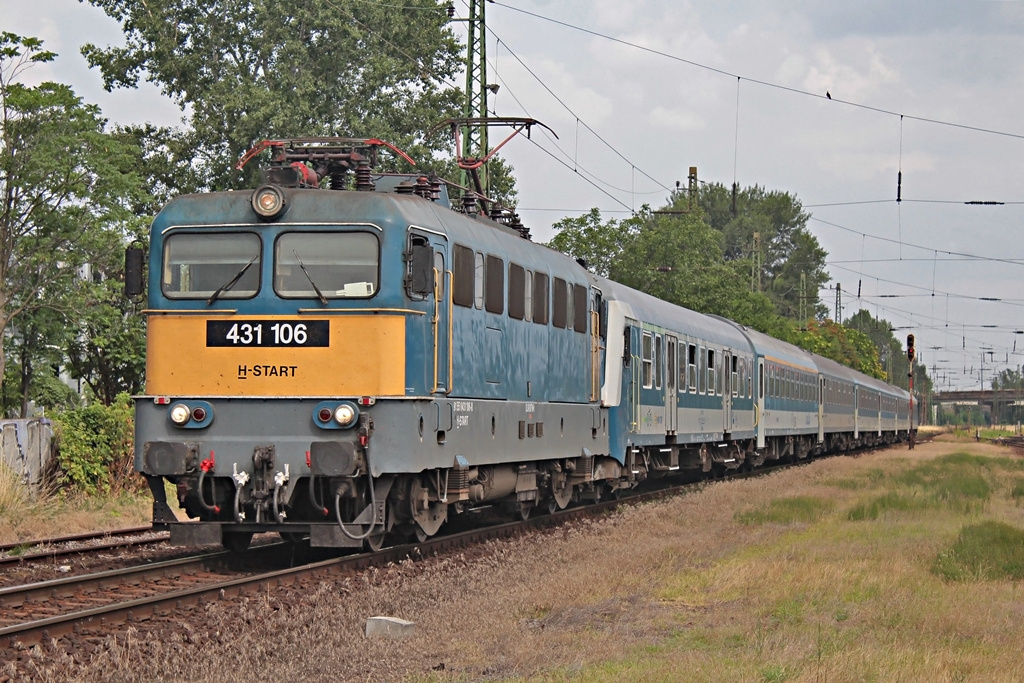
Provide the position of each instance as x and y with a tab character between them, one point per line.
344	414
180	414
268	201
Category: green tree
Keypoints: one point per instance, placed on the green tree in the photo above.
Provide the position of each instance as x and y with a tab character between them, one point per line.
246	70
675	257
598	244
66	188
787	249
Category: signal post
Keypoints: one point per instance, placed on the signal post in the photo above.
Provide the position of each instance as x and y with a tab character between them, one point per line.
911	354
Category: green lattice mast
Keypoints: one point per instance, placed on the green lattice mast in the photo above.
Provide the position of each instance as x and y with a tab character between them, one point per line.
474	136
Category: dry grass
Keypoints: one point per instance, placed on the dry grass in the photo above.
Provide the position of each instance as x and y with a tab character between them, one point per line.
22	519
678	590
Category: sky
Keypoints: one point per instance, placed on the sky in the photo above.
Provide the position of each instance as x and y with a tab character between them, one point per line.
638	91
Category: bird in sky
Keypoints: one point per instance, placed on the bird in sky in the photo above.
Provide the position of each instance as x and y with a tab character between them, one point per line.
828	94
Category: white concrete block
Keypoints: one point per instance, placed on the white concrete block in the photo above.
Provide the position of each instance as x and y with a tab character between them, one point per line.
388	627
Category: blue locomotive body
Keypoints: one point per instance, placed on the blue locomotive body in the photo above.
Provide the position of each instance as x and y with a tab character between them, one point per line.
343	364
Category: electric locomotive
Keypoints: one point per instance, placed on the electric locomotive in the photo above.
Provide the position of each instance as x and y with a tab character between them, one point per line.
342	354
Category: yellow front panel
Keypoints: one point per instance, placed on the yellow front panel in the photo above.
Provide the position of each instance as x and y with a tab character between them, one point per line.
366	357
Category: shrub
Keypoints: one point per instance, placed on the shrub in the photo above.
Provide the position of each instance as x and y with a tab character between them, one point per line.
787	511
985	551
95	449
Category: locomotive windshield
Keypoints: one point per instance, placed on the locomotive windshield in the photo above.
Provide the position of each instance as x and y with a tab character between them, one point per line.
201	265
328	264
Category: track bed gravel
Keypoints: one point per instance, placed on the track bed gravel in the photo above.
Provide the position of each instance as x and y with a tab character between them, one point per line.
515	607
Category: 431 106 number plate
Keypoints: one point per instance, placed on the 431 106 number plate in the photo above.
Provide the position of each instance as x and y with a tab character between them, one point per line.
268	333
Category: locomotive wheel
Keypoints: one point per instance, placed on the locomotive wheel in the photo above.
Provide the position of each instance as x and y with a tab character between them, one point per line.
376	541
562	496
236	541
524	510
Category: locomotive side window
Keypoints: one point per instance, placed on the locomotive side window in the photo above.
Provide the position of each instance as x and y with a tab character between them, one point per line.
462	269
495	294
331	264
579	308
528	296
478	281
540	298
198	265
559	303
439	275
516	291
647	354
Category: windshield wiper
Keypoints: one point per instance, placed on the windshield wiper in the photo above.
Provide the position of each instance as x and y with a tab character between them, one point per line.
232	282
319	294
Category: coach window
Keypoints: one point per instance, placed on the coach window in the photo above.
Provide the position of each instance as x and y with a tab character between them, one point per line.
494	291
559	303
516	291
659	358
197	265
462	274
691	368
540	298
579	308
735	376
702	377
648	360
331	264
671	354
711	371
682	367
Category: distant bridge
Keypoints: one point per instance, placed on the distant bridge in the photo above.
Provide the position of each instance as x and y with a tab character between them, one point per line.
980	396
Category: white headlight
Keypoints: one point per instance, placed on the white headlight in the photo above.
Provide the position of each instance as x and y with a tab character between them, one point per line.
268	201
344	414
180	414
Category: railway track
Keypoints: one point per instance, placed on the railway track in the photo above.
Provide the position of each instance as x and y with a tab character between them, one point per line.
78	544
88	607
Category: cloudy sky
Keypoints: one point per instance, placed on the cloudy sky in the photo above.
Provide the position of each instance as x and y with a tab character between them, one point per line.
640	90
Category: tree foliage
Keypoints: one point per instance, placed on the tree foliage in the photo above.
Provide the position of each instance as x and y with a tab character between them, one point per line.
787	249
246	70
95	450
67	188
676	257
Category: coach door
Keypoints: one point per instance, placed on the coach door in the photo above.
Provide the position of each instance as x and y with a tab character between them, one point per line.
727	392
821	409
759	404
671	377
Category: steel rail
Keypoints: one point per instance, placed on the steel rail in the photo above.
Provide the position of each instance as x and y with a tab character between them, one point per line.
88	536
145	608
53	552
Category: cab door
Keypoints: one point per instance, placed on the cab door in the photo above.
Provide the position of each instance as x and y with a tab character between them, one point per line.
430	280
